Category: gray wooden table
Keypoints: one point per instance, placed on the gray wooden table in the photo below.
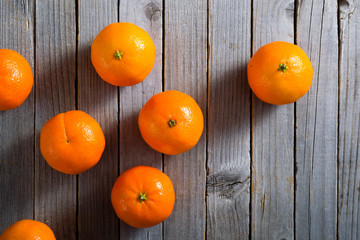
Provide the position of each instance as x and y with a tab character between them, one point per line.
258	172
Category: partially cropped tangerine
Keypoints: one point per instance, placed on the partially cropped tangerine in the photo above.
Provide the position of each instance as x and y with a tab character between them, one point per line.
72	142
280	73
171	122
28	230
123	54
16	79
143	196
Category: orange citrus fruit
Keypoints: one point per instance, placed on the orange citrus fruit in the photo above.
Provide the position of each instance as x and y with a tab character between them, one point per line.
143	196
123	54
16	79
72	142
171	122
28	230
280	73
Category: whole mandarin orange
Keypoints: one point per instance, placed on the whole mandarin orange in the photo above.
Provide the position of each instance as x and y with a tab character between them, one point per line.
280	73
171	122
143	196
123	54
28	230
72	142
16	79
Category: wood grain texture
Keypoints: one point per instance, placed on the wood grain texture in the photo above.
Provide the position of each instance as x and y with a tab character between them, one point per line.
349	122
96	217
228	180
55	193
272	135
316	123
185	70
17	125
146	14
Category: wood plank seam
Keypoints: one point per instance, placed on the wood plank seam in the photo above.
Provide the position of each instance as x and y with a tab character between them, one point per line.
295	123
338	119
163	89
251	124
77	106
208	53
34	117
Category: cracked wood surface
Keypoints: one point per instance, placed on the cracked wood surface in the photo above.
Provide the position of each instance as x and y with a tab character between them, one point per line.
258	172
349	122
228	183
316	123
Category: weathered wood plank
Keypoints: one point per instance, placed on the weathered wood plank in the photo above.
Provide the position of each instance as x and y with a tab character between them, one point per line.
228	180
349	122
272	136
96	217
316	123
55	193
146	14
185	70
17	125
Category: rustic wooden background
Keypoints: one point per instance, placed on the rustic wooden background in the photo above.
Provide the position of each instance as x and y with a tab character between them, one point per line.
258	172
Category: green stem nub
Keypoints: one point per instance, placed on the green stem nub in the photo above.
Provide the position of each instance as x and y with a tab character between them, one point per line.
172	122
118	55
283	67
142	197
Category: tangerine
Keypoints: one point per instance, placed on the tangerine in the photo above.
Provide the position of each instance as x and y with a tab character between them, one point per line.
72	142
28	230
16	79
123	54
171	122
143	196
280	73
